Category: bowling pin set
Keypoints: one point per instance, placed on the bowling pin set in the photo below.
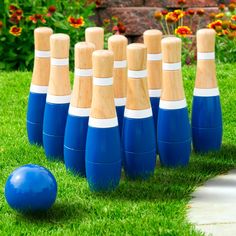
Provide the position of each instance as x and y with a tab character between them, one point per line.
127	104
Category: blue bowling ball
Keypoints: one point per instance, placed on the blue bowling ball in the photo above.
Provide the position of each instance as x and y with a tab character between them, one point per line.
31	188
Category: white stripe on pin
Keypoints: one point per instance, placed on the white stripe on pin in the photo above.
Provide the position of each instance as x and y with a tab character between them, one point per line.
120	102
154	57
58	99
38	89
206	92
59	62
103	123
102	81
171	66
137	74
120	64
83	72
173	105
206	55
138	114
78	111
42	54
154	93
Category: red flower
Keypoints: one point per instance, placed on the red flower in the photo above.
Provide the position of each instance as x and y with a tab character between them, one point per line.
233	18
181	2
12	8
121	27
16	31
200	12
1	24
222	7
215	24
14	19
37	18
164	12
190	12
76	22
232	26
52	9
183	31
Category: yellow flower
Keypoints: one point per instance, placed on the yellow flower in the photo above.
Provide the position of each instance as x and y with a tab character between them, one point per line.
179	13
220	15
183	31
233	18
16	31
76	22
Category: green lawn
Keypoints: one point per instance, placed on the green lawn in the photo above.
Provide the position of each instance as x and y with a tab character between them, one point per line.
154	207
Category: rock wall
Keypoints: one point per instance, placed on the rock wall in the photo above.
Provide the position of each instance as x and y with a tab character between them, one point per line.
137	15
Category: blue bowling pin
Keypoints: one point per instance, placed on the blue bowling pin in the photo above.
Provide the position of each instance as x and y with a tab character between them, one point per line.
139	143
103	149
39	85
79	110
206	111
58	98
174	135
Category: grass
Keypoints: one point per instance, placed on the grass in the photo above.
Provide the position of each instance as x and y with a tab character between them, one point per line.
154	207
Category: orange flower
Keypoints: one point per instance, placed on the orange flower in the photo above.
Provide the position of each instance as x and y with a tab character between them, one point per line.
233	18
212	15
214	24
106	21
183	31
220	15
16	31
225	24
76	22
1	24
158	15
232	7
181	2
231	36
233	26
190	12
200	12
121	27
222	7
171	17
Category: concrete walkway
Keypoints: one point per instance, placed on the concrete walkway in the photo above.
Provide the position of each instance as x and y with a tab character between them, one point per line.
213	207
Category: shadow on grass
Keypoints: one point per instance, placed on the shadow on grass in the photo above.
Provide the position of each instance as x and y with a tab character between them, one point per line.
170	184
59	213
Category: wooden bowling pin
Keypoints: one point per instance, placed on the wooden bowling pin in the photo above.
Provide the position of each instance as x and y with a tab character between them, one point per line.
39	85
58	97
206	111
103	151
138	140
79	110
95	35
152	40
118	44
174	136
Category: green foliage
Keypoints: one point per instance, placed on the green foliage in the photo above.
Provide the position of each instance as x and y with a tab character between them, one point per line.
18	52
225	50
154	207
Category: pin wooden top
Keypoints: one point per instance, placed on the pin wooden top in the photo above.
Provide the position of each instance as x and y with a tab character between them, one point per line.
152	39
206	40
118	44
83	55
171	50
60	44
95	35
137	56
42	38
103	61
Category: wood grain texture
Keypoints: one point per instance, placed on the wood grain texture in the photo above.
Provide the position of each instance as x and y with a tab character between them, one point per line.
118	45
82	88
152	40
172	84
137	56
137	89
41	70
95	35
206	69
103	105
59	83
